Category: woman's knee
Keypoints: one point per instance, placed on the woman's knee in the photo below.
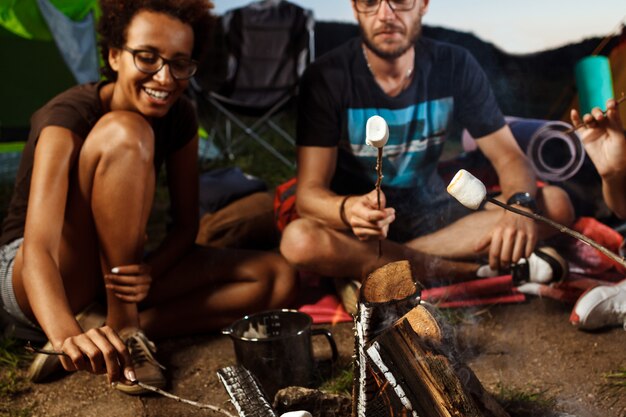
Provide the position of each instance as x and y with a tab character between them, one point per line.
122	136
302	242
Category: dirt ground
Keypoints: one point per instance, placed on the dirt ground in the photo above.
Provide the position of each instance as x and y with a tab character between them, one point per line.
529	347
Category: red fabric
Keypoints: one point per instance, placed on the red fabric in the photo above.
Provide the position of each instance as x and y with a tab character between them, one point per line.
327	309
469	289
494	290
285	204
318	299
588	260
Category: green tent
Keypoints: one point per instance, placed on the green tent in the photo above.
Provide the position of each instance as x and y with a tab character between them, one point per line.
32	69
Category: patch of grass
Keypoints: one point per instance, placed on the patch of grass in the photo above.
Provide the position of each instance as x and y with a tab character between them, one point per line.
617	378
342	380
13	360
525	403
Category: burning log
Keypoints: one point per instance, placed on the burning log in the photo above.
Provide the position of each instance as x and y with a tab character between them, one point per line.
406	362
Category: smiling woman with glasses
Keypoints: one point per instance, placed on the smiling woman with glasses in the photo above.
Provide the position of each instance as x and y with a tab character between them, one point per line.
150	62
77	223
371	6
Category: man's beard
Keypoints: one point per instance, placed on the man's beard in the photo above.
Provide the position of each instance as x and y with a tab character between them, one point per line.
394	53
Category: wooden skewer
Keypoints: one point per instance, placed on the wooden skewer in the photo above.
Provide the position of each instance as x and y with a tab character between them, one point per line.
563	229
575	128
379	171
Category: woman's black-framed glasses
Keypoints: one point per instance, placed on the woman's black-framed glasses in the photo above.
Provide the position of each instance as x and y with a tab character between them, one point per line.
149	62
371	6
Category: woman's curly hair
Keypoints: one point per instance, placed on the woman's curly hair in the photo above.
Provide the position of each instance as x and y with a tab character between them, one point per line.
117	14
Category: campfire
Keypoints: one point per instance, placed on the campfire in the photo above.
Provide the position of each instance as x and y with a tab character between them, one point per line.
405	363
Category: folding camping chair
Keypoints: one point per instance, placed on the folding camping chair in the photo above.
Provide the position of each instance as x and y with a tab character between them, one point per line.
268	45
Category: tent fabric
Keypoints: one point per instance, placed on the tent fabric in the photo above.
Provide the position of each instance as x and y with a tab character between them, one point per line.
75	40
23	18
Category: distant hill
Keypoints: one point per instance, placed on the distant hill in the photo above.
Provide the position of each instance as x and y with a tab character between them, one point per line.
539	85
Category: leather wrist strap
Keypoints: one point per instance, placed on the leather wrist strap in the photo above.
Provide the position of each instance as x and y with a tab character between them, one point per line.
342	211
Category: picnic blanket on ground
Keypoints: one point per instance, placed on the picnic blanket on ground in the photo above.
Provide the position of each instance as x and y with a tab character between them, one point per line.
588	268
319	300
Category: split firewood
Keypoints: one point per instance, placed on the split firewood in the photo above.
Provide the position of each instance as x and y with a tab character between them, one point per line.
386	295
406	363
416	358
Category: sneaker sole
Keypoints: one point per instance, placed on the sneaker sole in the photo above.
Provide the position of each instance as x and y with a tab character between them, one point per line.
137	389
574	318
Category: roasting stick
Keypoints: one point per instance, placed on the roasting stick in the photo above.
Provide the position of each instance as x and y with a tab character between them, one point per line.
34	349
573	129
376	135
471	192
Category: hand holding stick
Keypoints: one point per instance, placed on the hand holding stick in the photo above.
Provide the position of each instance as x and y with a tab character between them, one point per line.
33	349
471	192
578	126
376	135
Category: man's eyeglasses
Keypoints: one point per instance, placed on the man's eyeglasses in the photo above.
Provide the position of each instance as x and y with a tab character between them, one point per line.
371	6
149	62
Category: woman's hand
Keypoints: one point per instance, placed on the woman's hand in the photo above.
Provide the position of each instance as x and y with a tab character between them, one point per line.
129	283
603	139
98	351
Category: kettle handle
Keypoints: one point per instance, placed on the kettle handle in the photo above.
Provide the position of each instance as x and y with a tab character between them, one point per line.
227	331
331	341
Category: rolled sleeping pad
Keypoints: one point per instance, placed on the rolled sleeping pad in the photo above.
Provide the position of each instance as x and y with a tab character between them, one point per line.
594	82
554	154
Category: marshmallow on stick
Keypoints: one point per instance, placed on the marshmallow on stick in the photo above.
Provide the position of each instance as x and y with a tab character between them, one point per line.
376	132
376	135
470	191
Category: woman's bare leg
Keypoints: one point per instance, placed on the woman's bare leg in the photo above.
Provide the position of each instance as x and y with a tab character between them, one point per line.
116	174
108	203
210	288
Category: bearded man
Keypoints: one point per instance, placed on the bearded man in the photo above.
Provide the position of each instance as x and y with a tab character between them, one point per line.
419	86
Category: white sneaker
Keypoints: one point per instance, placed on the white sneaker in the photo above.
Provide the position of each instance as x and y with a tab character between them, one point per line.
601	306
543	266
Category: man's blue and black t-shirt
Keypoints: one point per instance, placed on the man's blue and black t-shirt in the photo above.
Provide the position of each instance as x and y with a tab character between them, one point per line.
338	94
